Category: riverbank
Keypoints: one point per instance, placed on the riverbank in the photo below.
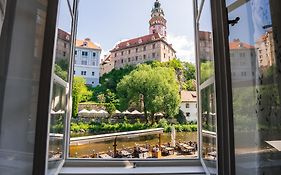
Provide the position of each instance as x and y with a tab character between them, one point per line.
82	128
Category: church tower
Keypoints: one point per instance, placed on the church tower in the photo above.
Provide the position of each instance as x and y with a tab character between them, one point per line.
157	23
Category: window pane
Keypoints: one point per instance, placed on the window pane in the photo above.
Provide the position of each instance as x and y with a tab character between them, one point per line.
63	45
209	120
255	66
206	43
20	68
60	88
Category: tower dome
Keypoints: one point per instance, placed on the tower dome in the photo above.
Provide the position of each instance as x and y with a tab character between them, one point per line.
157	23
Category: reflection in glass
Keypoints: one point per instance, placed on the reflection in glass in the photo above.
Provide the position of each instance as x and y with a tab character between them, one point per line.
205	43
207	85
256	75
208	119
63	41
60	87
208	109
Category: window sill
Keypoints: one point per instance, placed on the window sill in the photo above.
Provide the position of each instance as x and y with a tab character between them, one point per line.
174	167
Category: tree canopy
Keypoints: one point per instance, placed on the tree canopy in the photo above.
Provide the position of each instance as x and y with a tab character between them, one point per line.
80	93
153	89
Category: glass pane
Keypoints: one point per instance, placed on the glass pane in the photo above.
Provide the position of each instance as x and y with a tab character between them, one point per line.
63	45
20	68
255	67
60	88
208	119
208	109
207	86
206	43
71	4
229	2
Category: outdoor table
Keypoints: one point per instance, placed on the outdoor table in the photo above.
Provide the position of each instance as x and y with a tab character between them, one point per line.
142	149
125	153
105	156
170	150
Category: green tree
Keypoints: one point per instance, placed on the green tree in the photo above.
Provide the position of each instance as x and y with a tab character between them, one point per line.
79	93
101	98
154	88
207	70
189	71
110	108
60	72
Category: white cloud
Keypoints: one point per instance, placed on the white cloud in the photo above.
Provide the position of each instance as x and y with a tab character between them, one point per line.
184	47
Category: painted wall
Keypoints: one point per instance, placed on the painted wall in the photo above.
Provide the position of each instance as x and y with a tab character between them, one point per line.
192	110
89	63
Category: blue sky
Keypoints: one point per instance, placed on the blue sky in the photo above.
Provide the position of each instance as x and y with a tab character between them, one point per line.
109	21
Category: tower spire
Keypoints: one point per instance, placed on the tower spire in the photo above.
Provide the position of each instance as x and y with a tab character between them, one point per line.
157	23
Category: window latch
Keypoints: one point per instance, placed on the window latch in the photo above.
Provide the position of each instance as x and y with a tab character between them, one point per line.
234	21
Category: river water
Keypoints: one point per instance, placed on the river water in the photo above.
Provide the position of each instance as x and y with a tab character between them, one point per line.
129	143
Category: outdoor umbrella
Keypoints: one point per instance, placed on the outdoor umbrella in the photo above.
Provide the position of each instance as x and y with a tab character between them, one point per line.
135	112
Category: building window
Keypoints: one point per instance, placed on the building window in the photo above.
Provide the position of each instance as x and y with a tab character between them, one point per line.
137	49
144	48
164	47
188	114
64	45
153	46
83	62
122	53
64	54
74	72
153	55
94	63
93	82
93	73
144	57
129	51
83	73
136	58
242	54
122	61
243	74
187	105
84	53
115	54
94	54
129	59
164	55
75	52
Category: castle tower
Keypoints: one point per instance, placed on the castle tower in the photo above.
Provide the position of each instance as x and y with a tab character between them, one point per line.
157	23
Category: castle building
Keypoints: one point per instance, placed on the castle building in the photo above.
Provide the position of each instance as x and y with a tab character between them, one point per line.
153	46
265	50
63	45
87	61
243	61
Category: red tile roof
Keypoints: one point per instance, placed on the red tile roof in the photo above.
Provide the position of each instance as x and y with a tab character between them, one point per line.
204	35
189	96
236	44
87	43
64	35
139	41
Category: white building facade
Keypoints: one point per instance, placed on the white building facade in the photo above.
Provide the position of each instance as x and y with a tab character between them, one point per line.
189	105
87	61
